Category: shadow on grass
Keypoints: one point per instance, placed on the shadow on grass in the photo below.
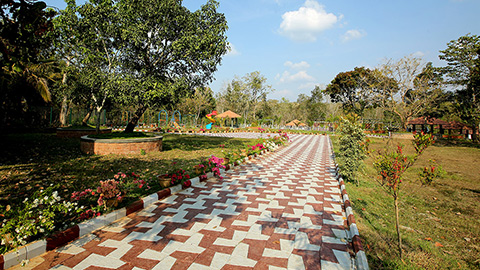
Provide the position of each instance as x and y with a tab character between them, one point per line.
456	143
30	162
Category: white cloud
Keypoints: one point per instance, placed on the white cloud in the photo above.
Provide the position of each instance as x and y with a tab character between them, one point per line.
299	76
308	86
353	34
306	23
418	54
232	50
300	65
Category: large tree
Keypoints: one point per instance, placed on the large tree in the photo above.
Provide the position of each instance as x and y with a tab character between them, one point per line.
412	91
257	90
353	89
89	36
311	108
25	37
461	56
462	71
168	50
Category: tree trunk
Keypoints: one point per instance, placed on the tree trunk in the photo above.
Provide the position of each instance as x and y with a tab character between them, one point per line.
132	123
63	112
64	108
87	117
397	225
99	112
474	133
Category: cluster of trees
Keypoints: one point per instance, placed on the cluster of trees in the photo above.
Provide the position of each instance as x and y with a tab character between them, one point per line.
247	96
394	92
158	54
410	88
104	53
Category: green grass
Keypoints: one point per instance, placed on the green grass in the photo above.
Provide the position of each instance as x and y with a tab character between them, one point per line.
121	135
83	127
33	161
446	212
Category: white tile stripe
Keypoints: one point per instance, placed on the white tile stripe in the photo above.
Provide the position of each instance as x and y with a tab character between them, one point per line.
360	257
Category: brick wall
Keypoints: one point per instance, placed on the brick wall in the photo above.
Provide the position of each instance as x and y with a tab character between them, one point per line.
122	147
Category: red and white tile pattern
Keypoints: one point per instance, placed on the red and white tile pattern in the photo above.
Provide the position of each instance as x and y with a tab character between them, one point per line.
281	211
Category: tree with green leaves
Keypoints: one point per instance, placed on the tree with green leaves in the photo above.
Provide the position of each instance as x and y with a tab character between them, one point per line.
246	95
168	50
25	64
90	37
201	102
257	90
316	108
462	72
233	97
461	56
353	89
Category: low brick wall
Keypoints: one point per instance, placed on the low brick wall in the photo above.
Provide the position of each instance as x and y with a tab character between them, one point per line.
122	147
78	133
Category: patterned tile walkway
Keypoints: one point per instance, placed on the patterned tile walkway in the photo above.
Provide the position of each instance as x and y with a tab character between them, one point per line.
280	211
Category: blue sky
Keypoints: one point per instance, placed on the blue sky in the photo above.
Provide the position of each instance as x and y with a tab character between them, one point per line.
299	44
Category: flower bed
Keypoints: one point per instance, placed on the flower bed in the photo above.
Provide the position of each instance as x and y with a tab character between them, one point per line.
54	218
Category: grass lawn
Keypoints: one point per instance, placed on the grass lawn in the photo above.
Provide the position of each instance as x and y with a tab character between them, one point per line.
30	162
440	223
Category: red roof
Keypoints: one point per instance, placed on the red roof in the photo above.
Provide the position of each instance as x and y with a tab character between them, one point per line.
457	125
427	121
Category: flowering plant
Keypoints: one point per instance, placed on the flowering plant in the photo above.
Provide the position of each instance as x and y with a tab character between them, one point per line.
430	173
216	164
391	166
109	189
44	213
112	190
179	176
256	149
176	174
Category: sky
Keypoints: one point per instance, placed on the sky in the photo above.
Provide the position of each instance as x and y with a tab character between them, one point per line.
297	45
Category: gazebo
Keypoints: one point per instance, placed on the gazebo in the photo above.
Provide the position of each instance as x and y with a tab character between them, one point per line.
441	125
424	122
295	123
230	115
292	123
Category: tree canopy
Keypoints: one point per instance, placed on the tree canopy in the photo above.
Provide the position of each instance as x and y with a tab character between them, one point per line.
246	95
462	70
354	89
25	67
168	49
460	55
142	53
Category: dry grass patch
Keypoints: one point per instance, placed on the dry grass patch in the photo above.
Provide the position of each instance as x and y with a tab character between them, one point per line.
439	223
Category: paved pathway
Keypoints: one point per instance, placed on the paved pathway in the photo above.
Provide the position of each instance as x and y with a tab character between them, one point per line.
280	211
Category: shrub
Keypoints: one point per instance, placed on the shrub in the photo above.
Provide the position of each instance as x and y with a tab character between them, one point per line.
431	172
352	150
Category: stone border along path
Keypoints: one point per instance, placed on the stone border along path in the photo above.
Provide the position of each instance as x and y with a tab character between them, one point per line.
281	211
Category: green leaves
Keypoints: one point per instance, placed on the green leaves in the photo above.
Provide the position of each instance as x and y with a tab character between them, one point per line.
460	55
352	150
